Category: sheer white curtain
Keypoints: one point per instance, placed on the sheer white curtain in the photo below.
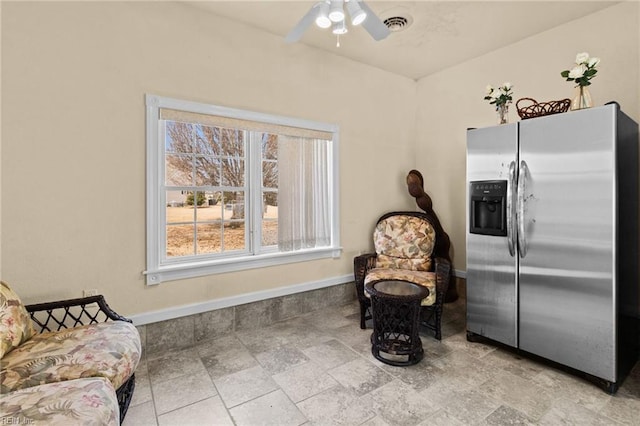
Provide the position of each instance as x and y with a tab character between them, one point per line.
304	219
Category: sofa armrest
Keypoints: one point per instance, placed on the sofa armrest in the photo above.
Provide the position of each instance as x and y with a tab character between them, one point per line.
61	314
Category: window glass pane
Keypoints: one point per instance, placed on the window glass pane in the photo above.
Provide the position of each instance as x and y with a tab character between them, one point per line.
209	238
269	160
206	140
178	137
234	209
178	170
174	199
270	205
207	171
177	210
270	174
233	172
231	142
269	233
234	225
269	146
195	198
180	240
234	235
270	218
211	209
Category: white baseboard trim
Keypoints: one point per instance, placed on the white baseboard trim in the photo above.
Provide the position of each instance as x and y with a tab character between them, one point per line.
226	302
460	273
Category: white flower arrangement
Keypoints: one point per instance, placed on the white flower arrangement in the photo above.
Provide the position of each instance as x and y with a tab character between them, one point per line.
583	71
498	96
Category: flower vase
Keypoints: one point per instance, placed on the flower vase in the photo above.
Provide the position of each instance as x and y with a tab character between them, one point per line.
582	99
503	113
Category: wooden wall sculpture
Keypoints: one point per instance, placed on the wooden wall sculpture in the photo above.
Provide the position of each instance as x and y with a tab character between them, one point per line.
415	185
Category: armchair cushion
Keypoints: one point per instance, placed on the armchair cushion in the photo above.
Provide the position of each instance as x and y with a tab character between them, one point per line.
425	279
110	350
404	242
15	322
90	401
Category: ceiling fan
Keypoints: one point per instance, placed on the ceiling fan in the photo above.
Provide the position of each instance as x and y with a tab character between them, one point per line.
330	13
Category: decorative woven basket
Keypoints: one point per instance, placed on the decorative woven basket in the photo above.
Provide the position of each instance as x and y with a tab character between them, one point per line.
539	109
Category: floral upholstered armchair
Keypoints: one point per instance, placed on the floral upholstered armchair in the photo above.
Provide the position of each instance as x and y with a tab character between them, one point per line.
404	244
66	362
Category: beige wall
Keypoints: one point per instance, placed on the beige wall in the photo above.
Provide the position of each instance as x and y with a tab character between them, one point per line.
73	166
452	100
73	81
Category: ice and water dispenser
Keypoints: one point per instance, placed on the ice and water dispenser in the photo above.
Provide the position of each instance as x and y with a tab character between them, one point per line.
488	207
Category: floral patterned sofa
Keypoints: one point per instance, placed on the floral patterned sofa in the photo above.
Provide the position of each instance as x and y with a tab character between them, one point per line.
80	401
80	365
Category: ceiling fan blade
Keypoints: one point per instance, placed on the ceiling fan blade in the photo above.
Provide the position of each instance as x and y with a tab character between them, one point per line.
297	32
374	26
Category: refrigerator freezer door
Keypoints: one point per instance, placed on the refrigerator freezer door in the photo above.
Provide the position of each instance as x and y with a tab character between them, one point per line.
491	270
567	278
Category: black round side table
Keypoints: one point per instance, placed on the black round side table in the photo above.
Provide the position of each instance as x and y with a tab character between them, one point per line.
396	311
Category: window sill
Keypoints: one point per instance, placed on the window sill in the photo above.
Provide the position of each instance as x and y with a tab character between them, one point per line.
198	269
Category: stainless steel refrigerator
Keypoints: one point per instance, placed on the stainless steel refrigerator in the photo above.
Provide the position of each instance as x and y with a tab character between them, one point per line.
552	239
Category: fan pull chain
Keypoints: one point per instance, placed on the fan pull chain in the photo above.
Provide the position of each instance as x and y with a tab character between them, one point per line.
338	40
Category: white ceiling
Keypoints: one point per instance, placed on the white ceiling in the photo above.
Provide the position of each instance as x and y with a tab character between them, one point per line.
443	33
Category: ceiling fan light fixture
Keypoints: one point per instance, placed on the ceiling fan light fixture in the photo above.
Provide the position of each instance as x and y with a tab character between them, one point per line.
355	11
336	13
332	12
340	28
322	20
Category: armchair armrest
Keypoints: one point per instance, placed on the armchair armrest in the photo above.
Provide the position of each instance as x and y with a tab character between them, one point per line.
61	314
361	265
443	276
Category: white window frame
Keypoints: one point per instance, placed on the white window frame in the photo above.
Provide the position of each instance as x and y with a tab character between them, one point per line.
160	269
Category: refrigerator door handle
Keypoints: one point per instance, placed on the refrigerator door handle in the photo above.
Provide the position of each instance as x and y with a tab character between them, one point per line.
522	177
511	212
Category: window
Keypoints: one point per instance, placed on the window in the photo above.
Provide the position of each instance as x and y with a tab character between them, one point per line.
229	189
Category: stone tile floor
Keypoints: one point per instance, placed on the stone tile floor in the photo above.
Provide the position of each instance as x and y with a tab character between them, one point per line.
318	369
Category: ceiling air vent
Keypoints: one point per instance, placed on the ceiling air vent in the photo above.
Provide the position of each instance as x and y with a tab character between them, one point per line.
396	23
